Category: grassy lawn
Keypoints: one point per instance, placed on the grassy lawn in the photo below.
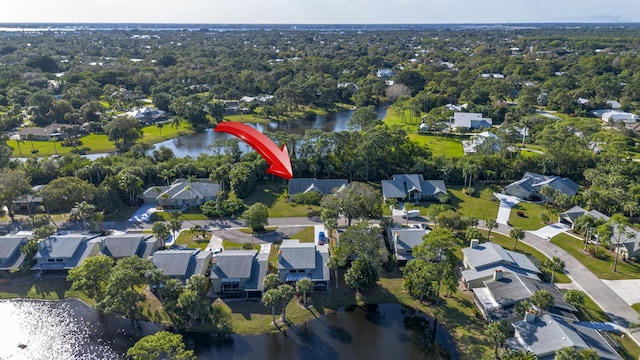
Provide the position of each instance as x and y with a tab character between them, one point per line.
123	214
306	235
636	307
272	194
481	205
267	229
507	243
600	268
24	284
190	214
532	212
439	145
193	239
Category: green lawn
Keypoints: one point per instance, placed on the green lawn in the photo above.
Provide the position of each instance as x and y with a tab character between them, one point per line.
272	194
636	307
532	212
507	243
232	245
481	205
193	239
24	284
439	145
306	235
190	214
600	268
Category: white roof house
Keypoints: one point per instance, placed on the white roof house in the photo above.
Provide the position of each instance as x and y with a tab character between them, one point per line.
470	146
470	121
616	116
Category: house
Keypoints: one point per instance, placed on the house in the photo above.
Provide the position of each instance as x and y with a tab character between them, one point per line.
545	335
29	201
614	104
497	299
322	186
492	76
608	115
570	216
182	264
529	186
64	252
239	273
480	262
231	107
412	187
384	73
478	140
50	132
125	245
465	120
402	242
10	256
147	115
182	193
298	260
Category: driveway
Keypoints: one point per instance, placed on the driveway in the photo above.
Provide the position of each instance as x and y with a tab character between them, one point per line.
628	290
550	231
504	211
143	213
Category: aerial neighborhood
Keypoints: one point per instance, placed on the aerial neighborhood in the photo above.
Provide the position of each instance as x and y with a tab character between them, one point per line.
484	184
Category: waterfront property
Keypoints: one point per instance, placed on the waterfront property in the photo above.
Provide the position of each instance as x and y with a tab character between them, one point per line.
548	333
498	298
529	186
321	186
29	201
482	260
125	245
239	273
403	241
64	252
50	132
412	187
182	264
10	256
298	260
148	115
182	193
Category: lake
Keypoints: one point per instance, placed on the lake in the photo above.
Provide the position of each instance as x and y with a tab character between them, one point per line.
70	329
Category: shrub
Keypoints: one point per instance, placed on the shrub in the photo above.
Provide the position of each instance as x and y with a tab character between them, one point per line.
309	198
247	246
221	208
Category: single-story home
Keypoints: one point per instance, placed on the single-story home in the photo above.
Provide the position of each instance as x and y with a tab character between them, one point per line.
50	132
529	186
466	120
403	241
497	299
28	201
412	187
384	73
608	115
298	260
10	256
64	252
147	115
125	245
182	193
321	186
545	335
239	273
470	146
480	262
182	264
570	216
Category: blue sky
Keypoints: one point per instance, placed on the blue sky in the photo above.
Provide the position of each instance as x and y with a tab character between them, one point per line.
321	11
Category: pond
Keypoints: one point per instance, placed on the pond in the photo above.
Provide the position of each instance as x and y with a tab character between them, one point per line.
70	329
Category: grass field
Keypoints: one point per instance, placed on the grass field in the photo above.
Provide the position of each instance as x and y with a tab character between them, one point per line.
307	235
190	214
273	195
531	219
481	205
193	239
439	145
600	268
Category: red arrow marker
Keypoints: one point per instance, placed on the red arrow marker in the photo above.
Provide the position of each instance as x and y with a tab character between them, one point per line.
278	159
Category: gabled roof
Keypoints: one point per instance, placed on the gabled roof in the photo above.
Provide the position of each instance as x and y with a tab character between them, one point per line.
489	254
323	186
258	272
184	190
59	246
119	246
9	244
234	264
176	262
407	238
401	184
513	288
297	255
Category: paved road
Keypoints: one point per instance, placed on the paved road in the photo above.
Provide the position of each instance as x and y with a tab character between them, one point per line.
618	310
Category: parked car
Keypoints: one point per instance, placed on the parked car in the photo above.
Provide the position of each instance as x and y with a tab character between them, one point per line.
411	214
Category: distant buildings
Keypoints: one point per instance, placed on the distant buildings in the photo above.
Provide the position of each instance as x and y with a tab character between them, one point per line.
321	186
465	120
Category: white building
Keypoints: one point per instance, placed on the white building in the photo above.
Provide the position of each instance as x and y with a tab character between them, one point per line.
470	121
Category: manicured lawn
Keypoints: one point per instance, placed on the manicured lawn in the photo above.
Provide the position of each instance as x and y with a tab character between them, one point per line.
439	145
272	194
600	268
636	307
232	245
531	219
190	214
306	235
481	205
507	243
267	229
24	284
193	239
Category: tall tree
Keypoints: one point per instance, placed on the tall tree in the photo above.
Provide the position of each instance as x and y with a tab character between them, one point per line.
257	216
161	231
620	233
516	234
542	299
362	275
554	264
286	294
304	286
13	185
65	192
490	224
123	131
91	276
175	225
161	345
271	281
356	201
271	298
495	332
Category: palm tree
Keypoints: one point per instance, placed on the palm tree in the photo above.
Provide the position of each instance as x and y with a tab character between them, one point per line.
304	286
542	299
175	225
160	126
555	264
516	234
286	294
495	332
161	231
271	298
547	192
490	224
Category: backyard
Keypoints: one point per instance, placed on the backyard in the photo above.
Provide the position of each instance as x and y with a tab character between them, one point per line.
273	195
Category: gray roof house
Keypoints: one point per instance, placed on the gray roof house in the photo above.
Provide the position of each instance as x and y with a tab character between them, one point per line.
239	273
322	186
298	260
530	184
53	131
481	260
500	294
147	115
125	245
10	256
412	187
570	216
182	193
181	264
470	121
64	252
546	334
404	240
28	201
